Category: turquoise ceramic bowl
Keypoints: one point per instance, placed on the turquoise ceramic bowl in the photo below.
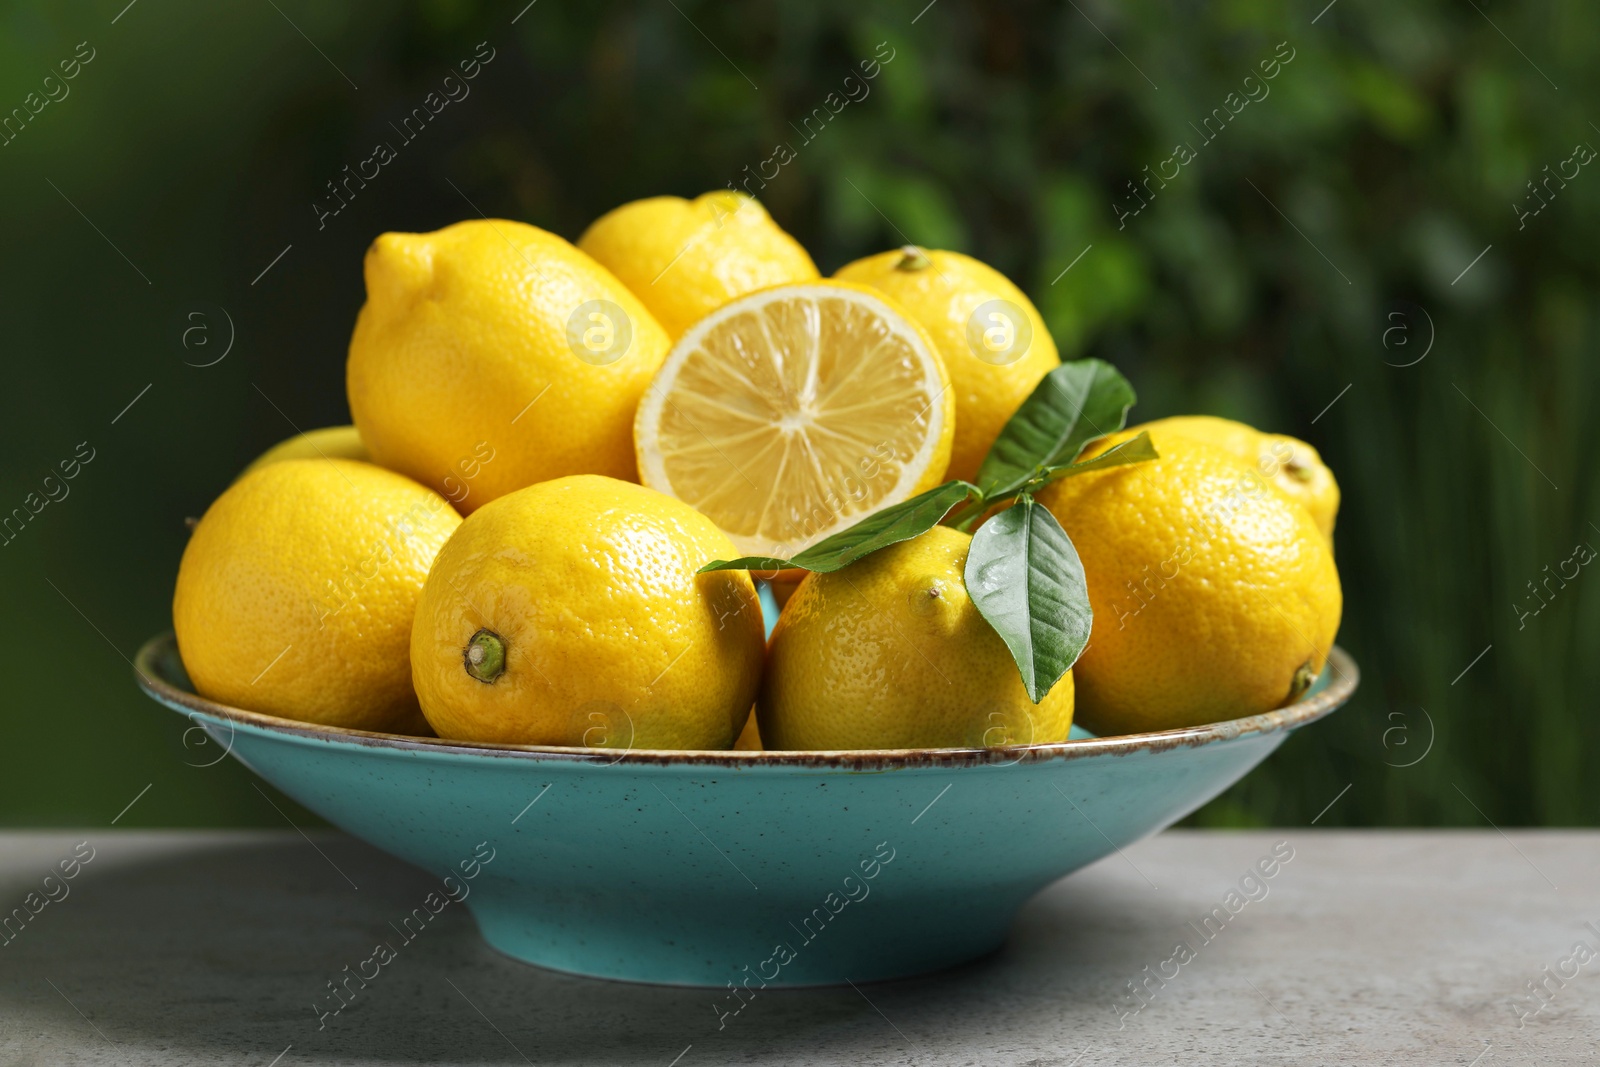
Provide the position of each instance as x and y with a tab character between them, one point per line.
757	869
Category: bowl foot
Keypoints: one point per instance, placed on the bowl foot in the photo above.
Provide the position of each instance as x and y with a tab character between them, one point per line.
740	947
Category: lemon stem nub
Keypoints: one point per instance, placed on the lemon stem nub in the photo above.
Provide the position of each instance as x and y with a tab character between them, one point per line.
1303	677
913	258
485	656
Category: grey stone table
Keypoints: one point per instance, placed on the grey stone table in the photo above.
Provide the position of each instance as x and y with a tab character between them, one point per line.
1363	948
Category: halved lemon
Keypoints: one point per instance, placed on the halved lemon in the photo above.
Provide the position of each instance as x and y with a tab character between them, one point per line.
790	413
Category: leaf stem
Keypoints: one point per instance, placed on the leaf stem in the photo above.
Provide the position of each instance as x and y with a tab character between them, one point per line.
968	515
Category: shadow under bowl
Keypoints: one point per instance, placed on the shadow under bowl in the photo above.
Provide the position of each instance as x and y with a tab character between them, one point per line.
773	868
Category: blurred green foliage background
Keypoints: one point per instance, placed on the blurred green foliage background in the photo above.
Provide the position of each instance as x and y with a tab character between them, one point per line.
1361	213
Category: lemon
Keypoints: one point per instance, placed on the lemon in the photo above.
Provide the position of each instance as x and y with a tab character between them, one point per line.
1214	596
890	652
332	442
1289	463
994	344
749	739
686	258
296	592
788	414
570	613
491	355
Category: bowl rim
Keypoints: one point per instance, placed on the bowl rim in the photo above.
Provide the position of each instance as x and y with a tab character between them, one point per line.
1340	687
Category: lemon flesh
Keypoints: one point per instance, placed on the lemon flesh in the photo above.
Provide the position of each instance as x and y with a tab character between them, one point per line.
789	414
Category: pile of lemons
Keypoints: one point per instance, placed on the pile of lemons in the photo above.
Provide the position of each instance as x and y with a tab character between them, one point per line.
551	440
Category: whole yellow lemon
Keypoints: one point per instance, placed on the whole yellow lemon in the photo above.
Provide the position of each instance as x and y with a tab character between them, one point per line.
1288	462
749	739
330	442
1214	596
571	613
890	652
686	258
491	355
994	344
297	590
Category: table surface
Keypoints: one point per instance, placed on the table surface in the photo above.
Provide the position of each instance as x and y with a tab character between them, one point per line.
185	947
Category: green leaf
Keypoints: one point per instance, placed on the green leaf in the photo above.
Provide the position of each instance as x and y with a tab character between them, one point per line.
1071	406
1025	577
898	522
1136	449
